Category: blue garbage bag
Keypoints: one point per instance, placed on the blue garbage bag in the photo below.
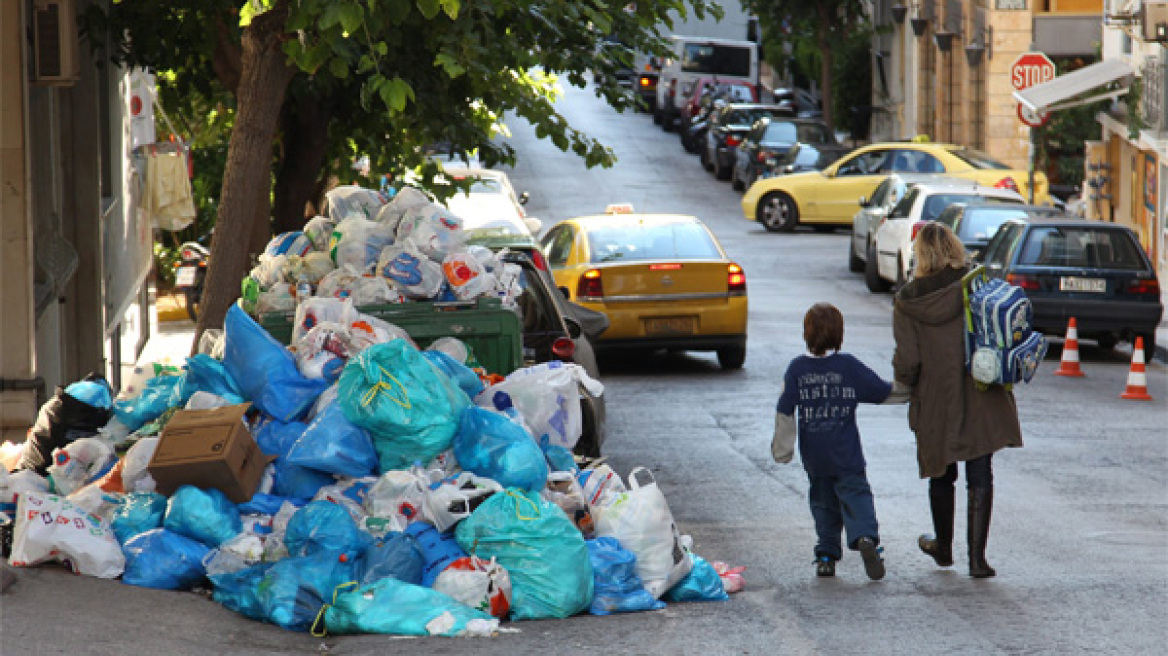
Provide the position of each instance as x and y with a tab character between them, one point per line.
265	371
139	512
618	588
468	381
296	482
239	590
559	459
96	393
294	589
489	444
333	444
396	555
203	515
275	437
438	549
324	526
551	575
266	504
395	607
160	394
206	374
409	407
701	584
159	558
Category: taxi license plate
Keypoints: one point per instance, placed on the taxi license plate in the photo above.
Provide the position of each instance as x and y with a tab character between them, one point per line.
1073	284
670	325
186	276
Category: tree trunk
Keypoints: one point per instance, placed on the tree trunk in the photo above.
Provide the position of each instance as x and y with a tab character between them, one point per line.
826	62
304	126
264	77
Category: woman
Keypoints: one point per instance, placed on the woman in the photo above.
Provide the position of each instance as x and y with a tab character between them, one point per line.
953	420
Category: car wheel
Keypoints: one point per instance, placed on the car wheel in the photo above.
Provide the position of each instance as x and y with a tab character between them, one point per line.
1107	341
735	181
667	119
656	115
777	212
720	172
1149	346
732	357
872	278
855	264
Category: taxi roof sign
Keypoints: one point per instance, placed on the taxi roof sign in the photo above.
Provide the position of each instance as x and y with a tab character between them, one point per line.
619	208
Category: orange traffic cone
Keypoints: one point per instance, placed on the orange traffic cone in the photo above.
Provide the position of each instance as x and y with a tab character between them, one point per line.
1069	366
1137	380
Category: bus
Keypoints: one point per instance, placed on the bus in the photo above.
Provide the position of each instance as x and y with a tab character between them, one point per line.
695	57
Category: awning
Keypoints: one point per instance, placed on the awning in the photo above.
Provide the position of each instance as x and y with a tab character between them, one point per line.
1064	91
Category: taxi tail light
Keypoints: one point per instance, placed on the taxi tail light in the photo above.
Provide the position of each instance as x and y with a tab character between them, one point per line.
735	280
1008	183
644	81
563	348
1144	286
538	260
590	287
1028	283
732	140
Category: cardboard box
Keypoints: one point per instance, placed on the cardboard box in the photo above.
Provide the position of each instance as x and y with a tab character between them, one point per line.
209	449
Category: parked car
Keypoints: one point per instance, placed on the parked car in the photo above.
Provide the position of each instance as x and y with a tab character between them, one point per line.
1093	271
728	127
553	331
769	140
492	213
828	197
889	257
975	223
873	210
663	280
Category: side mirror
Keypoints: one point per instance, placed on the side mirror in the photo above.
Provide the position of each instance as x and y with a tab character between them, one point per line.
566	292
533	224
574	329
789	169
654	63
524	197
863	201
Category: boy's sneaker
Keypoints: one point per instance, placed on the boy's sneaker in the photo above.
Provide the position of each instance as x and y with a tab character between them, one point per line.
824	566
873	563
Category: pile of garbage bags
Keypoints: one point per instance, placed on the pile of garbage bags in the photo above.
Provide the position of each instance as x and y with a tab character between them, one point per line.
376	251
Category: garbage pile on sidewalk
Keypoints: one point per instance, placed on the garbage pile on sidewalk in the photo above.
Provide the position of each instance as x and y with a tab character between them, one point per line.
351	483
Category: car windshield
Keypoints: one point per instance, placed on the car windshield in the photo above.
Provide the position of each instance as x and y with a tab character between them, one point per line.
982	223
936	203
670	241
789	132
1084	247
745	116
805	155
977	159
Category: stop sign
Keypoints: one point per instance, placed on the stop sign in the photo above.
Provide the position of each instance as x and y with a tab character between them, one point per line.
1030	69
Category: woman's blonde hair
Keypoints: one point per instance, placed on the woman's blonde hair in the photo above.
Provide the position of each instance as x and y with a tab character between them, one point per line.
935	248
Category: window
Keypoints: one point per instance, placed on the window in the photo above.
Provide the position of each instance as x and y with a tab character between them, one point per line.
559	245
915	161
880	195
950	216
716	59
673	241
977	159
905	205
781	132
1082	248
936	203
998	250
869	163
983	223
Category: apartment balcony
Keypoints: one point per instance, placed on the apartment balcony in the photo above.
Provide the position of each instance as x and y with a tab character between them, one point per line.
1068	28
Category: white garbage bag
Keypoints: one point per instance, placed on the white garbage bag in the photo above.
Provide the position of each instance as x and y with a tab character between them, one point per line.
358	242
78	462
434	229
547	395
411	271
49	527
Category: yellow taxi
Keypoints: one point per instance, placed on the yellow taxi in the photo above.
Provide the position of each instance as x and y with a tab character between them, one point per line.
829	197
663	280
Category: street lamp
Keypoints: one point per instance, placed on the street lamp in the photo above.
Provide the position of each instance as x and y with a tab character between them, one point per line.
982	44
919	25
898	13
944	40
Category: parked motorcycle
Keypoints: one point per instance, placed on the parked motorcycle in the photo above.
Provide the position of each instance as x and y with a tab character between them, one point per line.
189	274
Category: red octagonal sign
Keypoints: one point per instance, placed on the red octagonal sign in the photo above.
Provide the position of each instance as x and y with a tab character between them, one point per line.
1030	69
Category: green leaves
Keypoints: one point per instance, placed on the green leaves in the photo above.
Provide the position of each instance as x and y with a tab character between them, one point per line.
449	64
395	93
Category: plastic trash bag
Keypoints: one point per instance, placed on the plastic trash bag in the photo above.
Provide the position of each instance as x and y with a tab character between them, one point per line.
438	549
203	515
409	407
93	392
396	555
238	589
409	270
292	592
161	559
318	230
280	297
601	487
265	371
640	519
275	437
559	459
357	243
207	401
491	445
333	444
405	201
323	526
732	579
155	399
434	229
374	290
395	607
397	494
548	397
269	272
13	485
312	267
78	462
551	575
324	350
52	528
564	491
314	311
483	585
296	482
466	275
452	499
366	330
266	504
618	587
353	201
701	584
288	243
95	501
466	379
138	513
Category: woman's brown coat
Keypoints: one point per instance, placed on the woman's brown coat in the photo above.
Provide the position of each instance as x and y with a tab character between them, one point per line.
953	420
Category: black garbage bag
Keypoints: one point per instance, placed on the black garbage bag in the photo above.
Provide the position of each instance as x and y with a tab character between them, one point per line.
61	420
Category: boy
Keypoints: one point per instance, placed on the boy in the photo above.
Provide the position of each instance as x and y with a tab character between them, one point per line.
825	388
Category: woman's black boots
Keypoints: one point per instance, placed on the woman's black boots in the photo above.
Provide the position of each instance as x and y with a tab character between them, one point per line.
981	504
940	548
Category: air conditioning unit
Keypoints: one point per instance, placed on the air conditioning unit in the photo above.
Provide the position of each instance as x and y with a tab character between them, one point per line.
1155	19
55	43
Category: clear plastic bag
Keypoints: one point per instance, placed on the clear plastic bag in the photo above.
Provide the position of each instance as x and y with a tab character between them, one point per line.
78	462
319	230
411	271
358	242
548	397
434	229
466	275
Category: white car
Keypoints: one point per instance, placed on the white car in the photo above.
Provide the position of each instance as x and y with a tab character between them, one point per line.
491	205
874	209
922	201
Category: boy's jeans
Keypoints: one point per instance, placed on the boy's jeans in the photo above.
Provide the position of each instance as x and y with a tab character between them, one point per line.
842	502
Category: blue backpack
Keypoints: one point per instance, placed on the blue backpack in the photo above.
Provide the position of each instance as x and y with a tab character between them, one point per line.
1000	346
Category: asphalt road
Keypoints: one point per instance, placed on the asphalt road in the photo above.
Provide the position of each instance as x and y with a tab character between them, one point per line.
1080	532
